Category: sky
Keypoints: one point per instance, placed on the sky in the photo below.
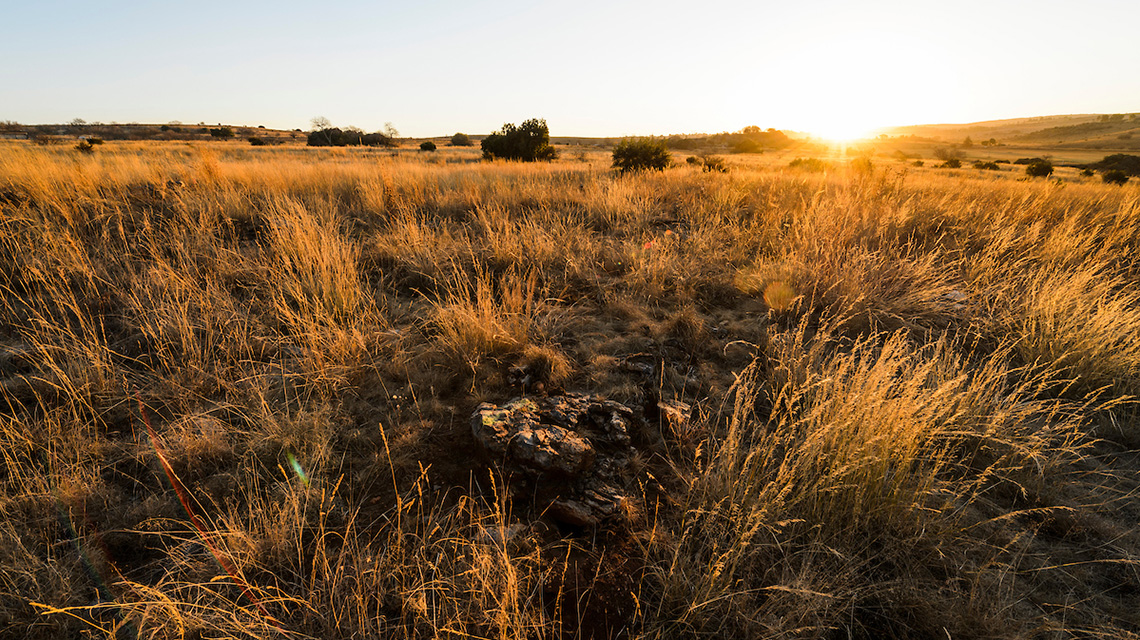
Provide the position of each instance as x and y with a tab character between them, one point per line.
589	67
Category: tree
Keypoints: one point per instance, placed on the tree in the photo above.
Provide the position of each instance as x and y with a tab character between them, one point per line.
638	154
321	126
528	142
968	142
461	140
391	131
77	122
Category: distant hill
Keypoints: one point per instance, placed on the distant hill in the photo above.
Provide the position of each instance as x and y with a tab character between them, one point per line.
1078	131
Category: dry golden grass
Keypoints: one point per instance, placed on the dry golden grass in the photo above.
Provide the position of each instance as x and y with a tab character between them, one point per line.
913	397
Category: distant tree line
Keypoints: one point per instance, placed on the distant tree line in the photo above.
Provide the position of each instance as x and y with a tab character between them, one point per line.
751	139
135	131
349	137
1126	164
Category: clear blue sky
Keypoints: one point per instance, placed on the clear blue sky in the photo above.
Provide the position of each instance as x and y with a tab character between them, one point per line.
591	67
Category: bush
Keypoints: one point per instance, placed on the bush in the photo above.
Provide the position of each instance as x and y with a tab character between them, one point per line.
748	145
222	132
528	142
1088	173
952	163
862	165
637	154
1129	164
708	163
461	140
918	163
809	164
427	145
85	147
1116	176
1039	169
947	153
1026	161
986	166
257	142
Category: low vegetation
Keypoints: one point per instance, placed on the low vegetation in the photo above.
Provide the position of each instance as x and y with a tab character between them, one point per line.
528	142
640	154
1038	168
236	387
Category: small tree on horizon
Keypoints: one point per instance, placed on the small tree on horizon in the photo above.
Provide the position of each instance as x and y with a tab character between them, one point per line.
461	140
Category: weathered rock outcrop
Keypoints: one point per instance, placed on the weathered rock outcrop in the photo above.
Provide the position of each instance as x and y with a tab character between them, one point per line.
571	450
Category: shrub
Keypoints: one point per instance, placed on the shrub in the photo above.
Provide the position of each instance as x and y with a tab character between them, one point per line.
85	146
1025	161
636	154
986	166
222	132
257	142
1001	161
708	163
747	145
918	163
1039	169
1116	176
809	164
952	163
862	165
1129	164
528	142
461	140
947	153
1086	172
427	145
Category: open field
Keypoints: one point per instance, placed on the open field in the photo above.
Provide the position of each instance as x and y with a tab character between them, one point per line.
236	388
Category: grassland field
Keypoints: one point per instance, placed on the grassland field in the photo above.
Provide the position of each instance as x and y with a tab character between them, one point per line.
236	386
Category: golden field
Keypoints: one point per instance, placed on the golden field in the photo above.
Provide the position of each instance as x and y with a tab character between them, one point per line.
236	383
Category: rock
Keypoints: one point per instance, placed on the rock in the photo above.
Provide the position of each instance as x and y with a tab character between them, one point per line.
573	512
552	449
570	450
